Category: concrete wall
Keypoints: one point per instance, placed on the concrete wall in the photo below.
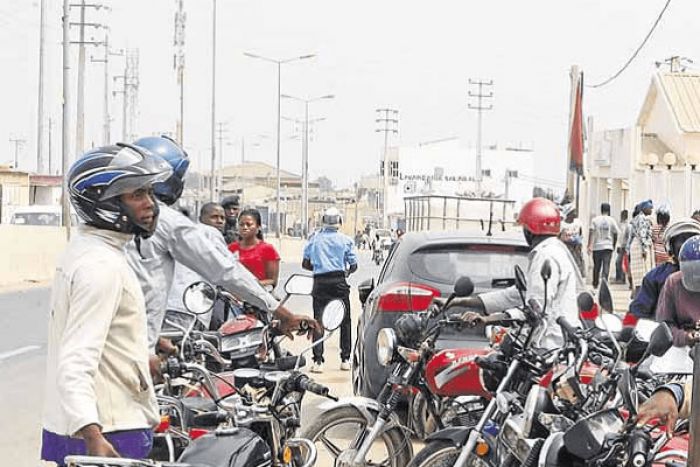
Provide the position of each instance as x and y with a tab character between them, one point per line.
29	253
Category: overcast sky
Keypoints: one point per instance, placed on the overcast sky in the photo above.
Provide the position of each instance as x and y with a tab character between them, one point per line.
415	56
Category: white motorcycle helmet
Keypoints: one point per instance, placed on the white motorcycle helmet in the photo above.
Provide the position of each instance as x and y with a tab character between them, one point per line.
332	218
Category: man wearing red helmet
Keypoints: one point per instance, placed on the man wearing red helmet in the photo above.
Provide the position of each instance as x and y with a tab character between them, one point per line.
540	220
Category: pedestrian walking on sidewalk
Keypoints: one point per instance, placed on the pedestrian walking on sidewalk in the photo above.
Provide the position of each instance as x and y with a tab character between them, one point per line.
663	216
332	257
641	254
621	248
602	239
572	235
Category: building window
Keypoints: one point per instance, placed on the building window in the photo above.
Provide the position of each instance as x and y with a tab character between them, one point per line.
394	169
486	173
512	173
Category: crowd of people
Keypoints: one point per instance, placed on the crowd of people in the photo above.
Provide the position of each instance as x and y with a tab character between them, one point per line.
134	255
128	264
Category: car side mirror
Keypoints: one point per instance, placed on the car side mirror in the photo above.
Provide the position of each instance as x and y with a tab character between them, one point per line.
464	287
364	289
520	281
605	297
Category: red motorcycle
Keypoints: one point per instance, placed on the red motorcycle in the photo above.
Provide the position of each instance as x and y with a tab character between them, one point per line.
450	382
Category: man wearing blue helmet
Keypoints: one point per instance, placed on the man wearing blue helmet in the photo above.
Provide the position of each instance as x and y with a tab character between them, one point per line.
99	398
176	238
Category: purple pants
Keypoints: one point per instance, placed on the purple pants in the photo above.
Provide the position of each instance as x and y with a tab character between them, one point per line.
134	444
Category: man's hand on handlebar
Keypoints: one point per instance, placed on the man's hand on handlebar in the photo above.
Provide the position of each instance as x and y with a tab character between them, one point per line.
472	318
289	322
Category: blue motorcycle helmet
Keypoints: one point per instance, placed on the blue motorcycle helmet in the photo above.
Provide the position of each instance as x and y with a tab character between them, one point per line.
170	190
96	181
689	257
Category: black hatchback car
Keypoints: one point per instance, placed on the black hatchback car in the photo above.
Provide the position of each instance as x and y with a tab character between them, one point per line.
423	265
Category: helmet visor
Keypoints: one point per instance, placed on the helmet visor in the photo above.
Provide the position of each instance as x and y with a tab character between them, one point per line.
130	170
691	275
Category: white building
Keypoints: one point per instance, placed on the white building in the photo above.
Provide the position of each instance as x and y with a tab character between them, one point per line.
657	158
448	169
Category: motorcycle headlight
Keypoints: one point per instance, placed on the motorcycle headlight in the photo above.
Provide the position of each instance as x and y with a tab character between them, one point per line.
386	343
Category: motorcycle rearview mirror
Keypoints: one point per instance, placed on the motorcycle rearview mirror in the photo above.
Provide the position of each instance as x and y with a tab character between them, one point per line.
199	297
299	284
546	270
333	314
605	297
587	309
464	287
660	341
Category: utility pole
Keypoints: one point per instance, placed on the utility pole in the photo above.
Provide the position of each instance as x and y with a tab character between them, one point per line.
479	107
65	137
40	109
129	91
388	119
18	142
675	64
221	131
80	105
179	64
50	145
107	119
213	102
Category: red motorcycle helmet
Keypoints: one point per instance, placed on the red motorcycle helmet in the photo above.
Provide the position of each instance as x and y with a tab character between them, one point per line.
540	216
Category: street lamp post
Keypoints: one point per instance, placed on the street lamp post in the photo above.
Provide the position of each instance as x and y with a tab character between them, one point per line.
305	159
279	93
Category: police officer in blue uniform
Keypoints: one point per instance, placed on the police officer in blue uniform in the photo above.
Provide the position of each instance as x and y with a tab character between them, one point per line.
331	256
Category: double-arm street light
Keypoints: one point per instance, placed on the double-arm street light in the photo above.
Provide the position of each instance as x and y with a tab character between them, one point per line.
279	64
305	159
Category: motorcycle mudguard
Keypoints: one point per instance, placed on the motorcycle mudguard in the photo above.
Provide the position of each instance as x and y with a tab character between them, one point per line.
369	408
553	452
457	435
230	448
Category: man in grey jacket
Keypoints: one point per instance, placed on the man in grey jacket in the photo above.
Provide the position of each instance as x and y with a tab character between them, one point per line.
177	238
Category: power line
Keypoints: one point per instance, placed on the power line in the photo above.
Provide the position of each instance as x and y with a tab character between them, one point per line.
636	52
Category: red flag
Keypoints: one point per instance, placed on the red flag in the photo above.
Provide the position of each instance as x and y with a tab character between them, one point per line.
576	123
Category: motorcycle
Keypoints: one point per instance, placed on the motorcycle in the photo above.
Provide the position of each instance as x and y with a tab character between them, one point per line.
255	424
417	369
241	342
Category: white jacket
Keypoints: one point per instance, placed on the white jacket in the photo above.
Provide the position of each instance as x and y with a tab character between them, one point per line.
179	239
562	290
97	363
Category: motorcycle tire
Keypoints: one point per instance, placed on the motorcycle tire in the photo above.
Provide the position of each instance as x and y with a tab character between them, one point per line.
399	454
438	453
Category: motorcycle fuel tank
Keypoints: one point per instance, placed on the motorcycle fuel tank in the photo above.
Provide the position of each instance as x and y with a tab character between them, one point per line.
454	372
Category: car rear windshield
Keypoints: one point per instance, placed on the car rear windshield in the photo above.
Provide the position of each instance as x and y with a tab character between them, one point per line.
488	266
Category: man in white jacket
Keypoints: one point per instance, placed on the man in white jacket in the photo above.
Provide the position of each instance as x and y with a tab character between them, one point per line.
540	220
99	398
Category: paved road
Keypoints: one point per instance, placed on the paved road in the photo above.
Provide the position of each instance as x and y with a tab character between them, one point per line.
23	331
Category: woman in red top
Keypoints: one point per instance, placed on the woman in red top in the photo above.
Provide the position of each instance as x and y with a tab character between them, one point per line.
259	257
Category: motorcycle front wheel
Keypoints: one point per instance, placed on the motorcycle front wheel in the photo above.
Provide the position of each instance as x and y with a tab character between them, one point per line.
336	435
441	453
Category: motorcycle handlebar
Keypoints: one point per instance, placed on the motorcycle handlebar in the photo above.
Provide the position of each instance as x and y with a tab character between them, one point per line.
306	384
209	418
567	327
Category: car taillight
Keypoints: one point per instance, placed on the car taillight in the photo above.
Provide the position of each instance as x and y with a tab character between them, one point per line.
407	296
